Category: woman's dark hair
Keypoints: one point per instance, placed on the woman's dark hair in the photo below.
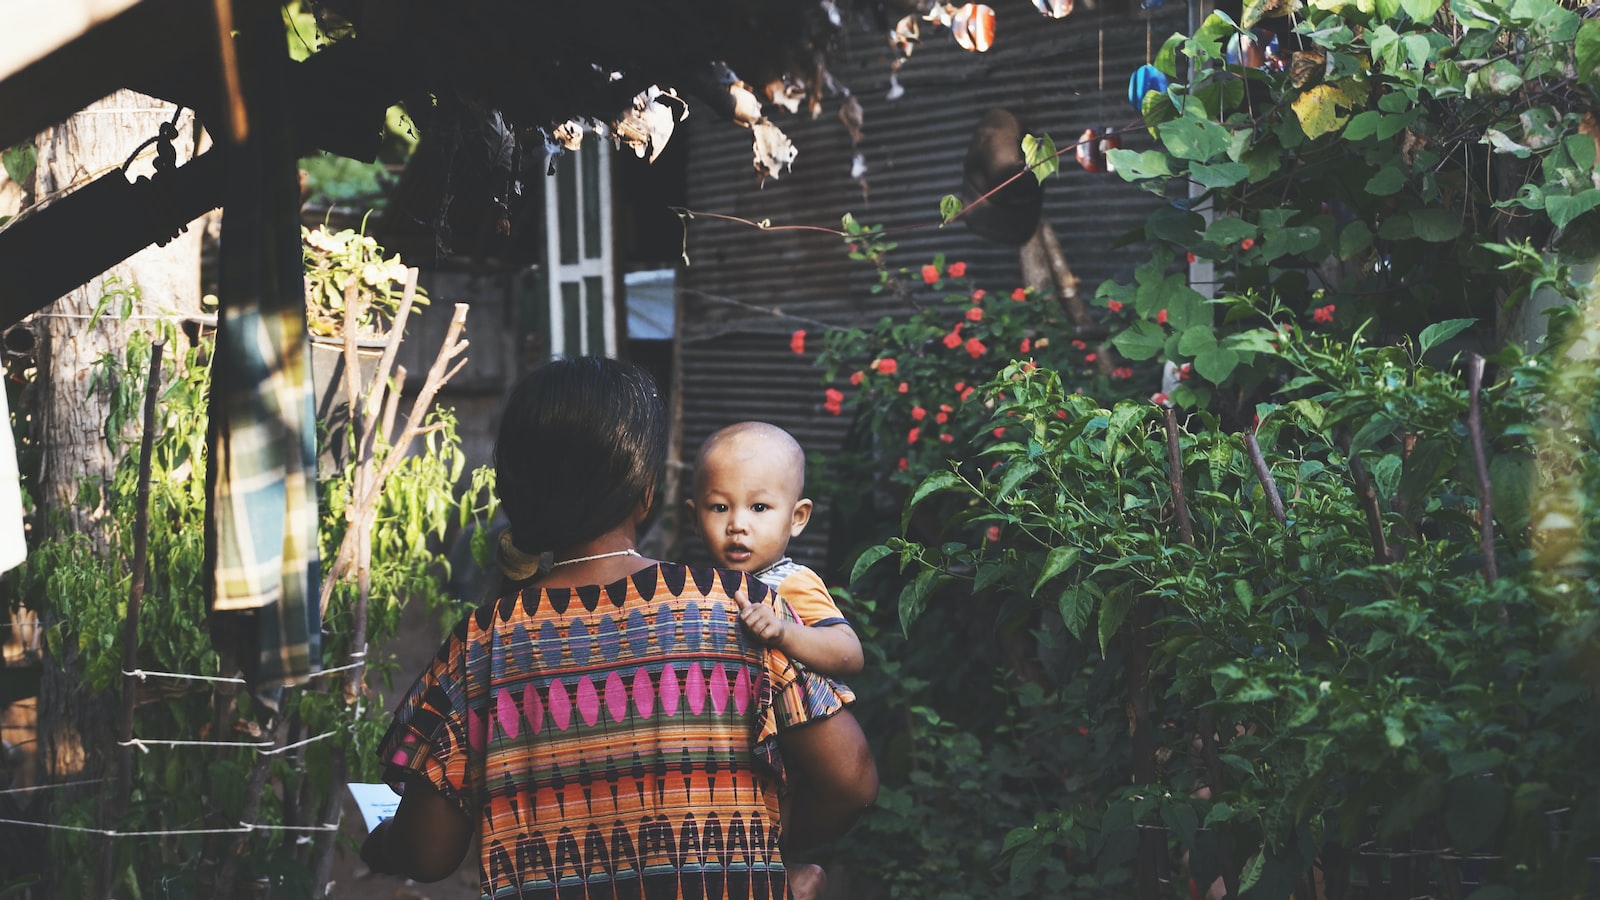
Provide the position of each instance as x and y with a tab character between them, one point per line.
581	444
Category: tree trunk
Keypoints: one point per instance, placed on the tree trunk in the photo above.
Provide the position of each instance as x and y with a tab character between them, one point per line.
75	729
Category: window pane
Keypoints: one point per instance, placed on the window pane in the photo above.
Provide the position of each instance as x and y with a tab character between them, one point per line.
594	289
592	161
572	319
567	197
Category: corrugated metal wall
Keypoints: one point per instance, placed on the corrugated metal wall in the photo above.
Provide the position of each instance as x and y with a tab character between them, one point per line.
736	360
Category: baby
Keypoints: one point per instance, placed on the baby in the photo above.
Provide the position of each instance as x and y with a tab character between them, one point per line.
748	482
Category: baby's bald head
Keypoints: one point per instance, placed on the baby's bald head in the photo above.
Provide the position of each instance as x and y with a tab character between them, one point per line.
774	448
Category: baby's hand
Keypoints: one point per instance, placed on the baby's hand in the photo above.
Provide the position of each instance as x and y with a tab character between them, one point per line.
760	620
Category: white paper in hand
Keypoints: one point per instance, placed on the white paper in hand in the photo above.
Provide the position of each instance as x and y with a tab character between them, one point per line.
377	802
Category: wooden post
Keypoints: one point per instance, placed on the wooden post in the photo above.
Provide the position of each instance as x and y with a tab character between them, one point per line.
118	804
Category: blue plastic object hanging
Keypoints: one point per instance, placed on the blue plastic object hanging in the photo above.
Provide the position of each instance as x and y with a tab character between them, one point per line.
1146	78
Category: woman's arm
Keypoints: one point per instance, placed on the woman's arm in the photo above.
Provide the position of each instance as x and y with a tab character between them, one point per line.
424	841
837	776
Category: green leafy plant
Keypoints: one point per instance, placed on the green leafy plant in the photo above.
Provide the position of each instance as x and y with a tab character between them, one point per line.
347	267
1332	668
86	589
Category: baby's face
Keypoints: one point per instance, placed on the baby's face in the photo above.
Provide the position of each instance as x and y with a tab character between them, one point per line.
748	506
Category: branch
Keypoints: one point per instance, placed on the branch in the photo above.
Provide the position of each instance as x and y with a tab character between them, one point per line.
764	225
1253	448
1481	464
1369	504
1175	477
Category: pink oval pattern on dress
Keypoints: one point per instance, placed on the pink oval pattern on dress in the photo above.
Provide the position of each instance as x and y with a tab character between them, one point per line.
669	692
616	697
533	707
741	691
644	694
695	689
477	730
560	705
505	709
588	701
719	688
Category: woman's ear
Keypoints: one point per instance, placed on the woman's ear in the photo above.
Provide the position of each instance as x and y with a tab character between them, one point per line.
801	517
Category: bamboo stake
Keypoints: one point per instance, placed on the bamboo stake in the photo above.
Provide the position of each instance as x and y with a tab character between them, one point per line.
130	625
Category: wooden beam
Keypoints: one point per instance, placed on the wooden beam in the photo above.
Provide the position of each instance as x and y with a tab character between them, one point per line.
103	223
138	45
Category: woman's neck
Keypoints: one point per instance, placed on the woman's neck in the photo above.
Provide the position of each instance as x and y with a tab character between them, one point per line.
604	559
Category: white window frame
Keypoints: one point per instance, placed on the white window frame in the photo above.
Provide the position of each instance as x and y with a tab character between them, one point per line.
601	265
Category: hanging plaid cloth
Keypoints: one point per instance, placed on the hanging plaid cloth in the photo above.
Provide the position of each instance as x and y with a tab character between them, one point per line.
262	579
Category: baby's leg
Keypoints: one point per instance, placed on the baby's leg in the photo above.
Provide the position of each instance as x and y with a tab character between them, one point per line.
835	780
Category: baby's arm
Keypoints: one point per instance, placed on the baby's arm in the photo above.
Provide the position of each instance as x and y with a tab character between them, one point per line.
831	650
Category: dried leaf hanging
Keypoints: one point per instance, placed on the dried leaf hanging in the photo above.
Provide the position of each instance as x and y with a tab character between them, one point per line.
786	93
774	152
851	115
973	27
906	36
746	105
648	124
568	135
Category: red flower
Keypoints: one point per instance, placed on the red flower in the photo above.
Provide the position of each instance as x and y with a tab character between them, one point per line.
1025	346
917	413
902	465
977	295
930	274
965	394
1161	317
1190	258
975	314
885	366
903	388
1185	371
975	348
1114	305
1090	357
1122	373
1000	432
947	438
1028	367
960	386
833	401
945	407
797	341
942	417
1160	399
993	533
957	269
1061	414
1247	243
1079	345
856	377
952	340
1019	295
1323	314
912	435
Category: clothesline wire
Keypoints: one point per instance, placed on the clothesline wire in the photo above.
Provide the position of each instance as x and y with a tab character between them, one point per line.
360	657
144	744
46	787
243	828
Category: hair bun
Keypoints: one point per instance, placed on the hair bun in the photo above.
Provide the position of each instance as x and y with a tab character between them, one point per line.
515	564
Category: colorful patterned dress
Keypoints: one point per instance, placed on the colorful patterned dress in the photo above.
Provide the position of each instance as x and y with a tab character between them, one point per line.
613	740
